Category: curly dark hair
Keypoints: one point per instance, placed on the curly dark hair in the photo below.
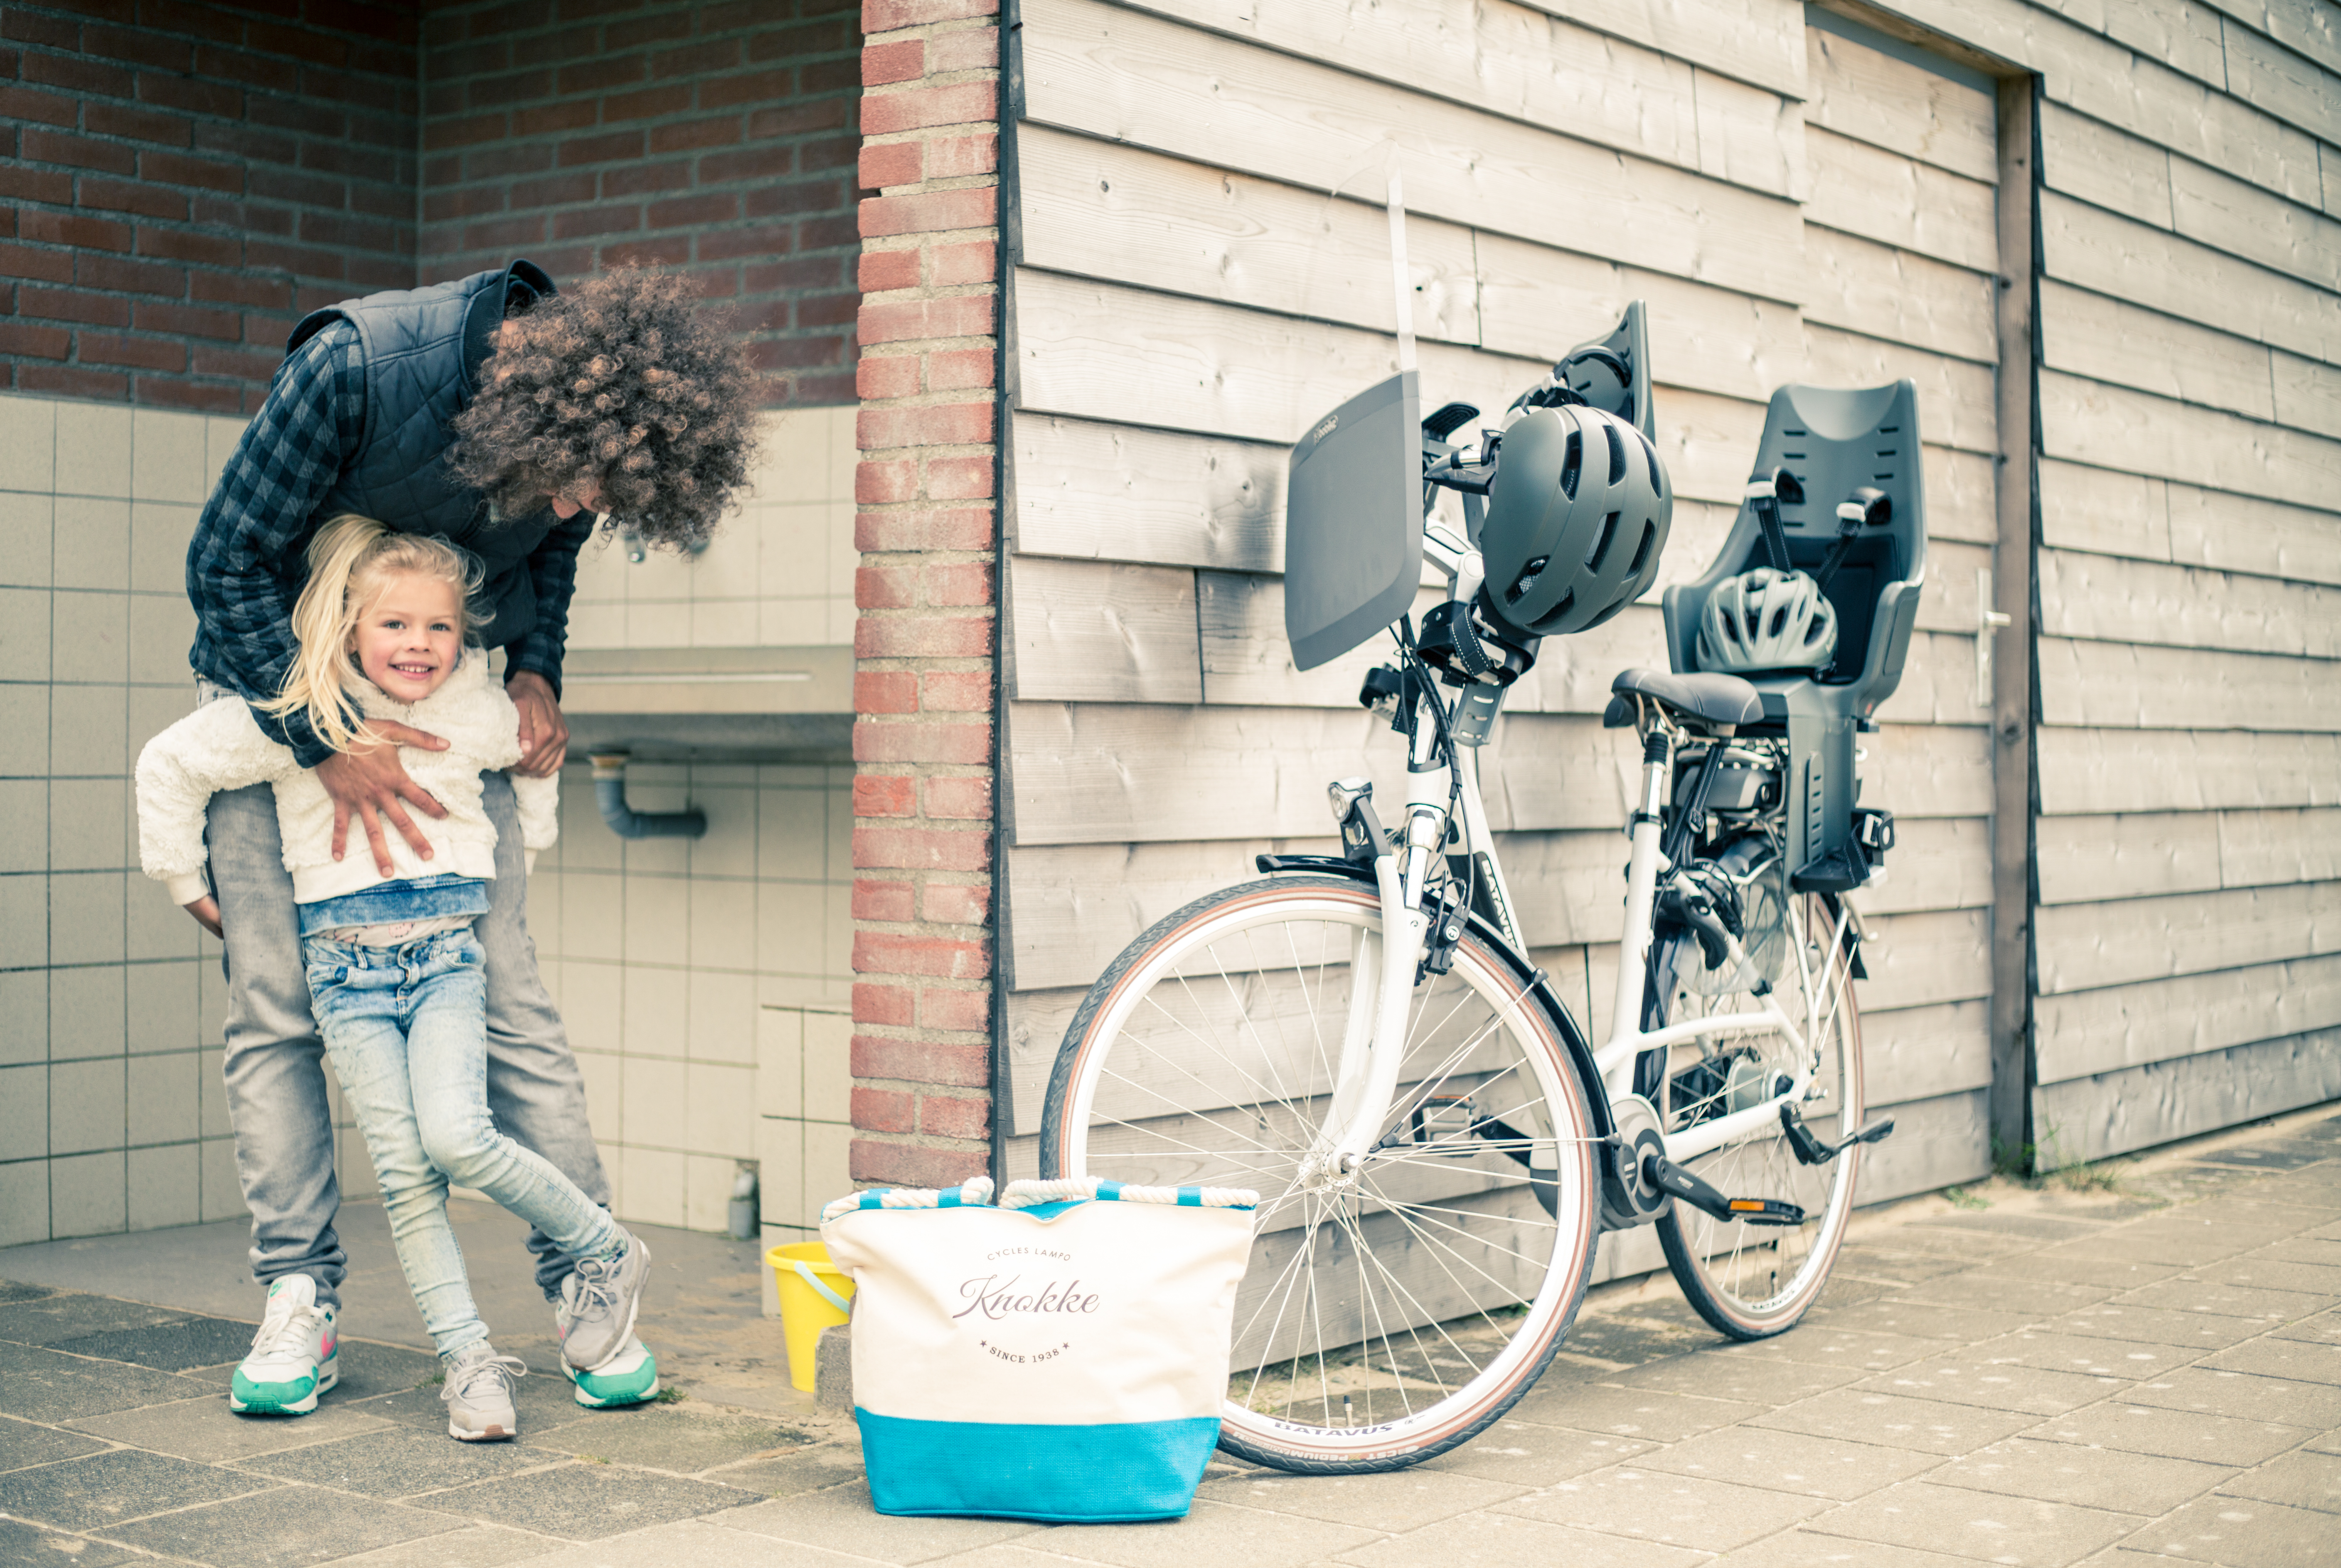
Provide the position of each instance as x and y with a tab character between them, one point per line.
618	385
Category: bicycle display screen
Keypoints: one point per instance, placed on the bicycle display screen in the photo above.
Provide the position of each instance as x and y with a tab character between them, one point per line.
1353	522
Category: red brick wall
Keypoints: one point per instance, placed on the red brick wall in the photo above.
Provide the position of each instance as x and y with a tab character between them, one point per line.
714	136
924	690
179	182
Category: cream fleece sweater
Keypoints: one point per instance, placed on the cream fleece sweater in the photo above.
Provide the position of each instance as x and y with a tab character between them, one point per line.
218	747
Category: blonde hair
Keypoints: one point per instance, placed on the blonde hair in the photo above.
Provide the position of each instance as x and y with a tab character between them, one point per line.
351	558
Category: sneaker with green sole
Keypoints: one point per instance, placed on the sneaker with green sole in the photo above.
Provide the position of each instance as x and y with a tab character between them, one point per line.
630	1377
294	1357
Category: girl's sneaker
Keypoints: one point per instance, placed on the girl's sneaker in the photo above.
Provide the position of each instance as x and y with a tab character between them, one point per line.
595	1315
630	1377
294	1357
478	1394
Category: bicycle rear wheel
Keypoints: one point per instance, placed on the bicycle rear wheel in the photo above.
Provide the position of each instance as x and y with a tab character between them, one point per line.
1390	1313
1752	1282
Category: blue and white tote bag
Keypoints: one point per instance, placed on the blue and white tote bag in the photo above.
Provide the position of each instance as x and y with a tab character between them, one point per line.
1061	1356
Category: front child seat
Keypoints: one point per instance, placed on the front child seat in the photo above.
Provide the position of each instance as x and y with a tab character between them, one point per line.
1871	547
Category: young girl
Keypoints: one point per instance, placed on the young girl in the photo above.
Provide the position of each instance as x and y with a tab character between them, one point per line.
394	968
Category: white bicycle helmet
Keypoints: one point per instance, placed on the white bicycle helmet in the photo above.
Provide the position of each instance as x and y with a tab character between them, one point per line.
1577	518
1767	619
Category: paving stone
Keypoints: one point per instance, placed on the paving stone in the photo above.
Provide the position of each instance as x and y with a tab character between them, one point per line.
1977	1245
1529	1455
657	1437
1626	1341
2192	1239
1994	1385
1672	1509
2013	1222
586	1501
2023	1531
2325	1328
700	1543
1926	1425
2238	1393
205	1429
1397	1501
2305	1361
396	1461
2097	1262
2125	1359
1212	1532
167	1348
844	1521
1009	1554
2275	1154
1757	1380
118	1484
1500	1541
2324	1251
67	1315
1899	1266
292	1524
42	1384
1894	1315
366	1371
2241	1533
2305	1479
23	1545
1642	1413
2330	1443
1802	1548
1790	1461
806	1470
2175	1433
470	1547
1995	1290
23	1443
544	1401
1823	1344
2141	1483
2126	1319
2257	1271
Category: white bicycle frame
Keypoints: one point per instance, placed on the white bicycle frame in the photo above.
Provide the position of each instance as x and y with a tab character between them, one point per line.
1383	972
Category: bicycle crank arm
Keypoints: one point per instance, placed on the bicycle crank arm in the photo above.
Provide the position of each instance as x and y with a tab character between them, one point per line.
1670	1178
1809	1150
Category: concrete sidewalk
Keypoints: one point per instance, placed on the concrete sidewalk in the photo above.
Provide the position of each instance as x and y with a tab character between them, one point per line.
2062	1376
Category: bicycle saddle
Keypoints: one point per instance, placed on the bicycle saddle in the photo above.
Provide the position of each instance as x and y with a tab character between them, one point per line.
1717	699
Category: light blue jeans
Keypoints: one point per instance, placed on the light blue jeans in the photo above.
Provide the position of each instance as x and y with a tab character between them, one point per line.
407	1029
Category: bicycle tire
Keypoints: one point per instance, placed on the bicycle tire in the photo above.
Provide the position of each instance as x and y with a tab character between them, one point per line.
1713	1261
1410	1425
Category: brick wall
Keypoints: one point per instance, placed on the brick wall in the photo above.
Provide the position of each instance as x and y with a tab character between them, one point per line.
181	181
718	137
924	686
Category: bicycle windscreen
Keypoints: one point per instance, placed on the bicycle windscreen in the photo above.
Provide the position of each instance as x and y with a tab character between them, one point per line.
1353	522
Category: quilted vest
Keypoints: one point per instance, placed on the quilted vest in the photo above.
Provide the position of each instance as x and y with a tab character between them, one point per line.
422	350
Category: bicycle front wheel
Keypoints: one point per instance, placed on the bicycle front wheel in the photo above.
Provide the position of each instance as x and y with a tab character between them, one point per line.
1391	1311
1752	1282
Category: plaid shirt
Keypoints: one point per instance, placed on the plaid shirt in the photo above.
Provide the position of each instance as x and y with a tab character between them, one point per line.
246	566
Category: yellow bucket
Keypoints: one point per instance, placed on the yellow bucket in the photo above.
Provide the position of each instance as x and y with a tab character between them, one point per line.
814	1295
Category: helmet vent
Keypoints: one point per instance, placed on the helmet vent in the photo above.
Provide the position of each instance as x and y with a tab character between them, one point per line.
1572	459
1650	456
1617	453
1601	545
1526	579
1642	550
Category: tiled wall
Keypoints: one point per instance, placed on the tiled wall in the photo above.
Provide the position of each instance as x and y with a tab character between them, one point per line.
662	953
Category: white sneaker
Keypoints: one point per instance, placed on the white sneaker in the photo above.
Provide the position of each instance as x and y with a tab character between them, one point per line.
595	1314
293	1358
628	1377
478	1393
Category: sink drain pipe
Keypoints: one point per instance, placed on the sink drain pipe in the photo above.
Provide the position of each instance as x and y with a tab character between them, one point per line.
609	795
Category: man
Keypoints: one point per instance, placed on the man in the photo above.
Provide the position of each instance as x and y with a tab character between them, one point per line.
508	418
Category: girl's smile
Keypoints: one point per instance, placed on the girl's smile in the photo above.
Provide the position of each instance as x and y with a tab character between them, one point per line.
409	639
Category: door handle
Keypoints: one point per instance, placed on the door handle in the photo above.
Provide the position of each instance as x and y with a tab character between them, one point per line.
1988	622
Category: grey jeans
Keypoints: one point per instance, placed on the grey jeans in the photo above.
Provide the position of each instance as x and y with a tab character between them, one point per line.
276	1062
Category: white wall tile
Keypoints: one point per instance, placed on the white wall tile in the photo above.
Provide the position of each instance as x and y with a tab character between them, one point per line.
159	535
725	623
222	1194
728	846
792	833
722	924
723	1017
827	1065
164	1101
165	1186
593	1005
658	919
788	935
85	918
92	546
168	458
24	634
592	915
24	717
162	631
657	1012
87	1194
152	925
87	823
90	731
655	1186
163	1008
212	1084
707	1192
25	538
23	824
93	443
722	1104
23	1017
658	1101
23	1202
605	1091
666	623
779	1062
86	1012
24	1112
86	1106
28	443
780	1175
827	1166
90	639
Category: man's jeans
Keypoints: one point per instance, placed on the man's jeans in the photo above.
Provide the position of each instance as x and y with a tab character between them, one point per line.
405	1027
275	1069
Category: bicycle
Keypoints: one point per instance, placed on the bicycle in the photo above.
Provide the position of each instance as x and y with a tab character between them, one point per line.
1364	1038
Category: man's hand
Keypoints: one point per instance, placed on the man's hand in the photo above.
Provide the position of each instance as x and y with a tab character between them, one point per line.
206	910
369	782
543	733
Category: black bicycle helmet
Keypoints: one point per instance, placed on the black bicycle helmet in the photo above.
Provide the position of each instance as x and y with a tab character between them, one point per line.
1576	519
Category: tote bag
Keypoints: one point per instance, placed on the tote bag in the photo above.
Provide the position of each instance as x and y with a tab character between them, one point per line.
1061	1356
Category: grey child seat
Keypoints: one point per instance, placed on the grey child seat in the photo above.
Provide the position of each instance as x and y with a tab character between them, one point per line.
1834	441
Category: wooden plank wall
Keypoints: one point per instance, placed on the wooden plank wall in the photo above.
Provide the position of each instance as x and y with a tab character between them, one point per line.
1187	296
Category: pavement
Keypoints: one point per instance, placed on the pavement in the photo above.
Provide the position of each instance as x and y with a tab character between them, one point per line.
2142	1362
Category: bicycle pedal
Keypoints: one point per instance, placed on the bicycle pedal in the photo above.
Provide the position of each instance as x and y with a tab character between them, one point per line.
1670	1178
1809	1149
